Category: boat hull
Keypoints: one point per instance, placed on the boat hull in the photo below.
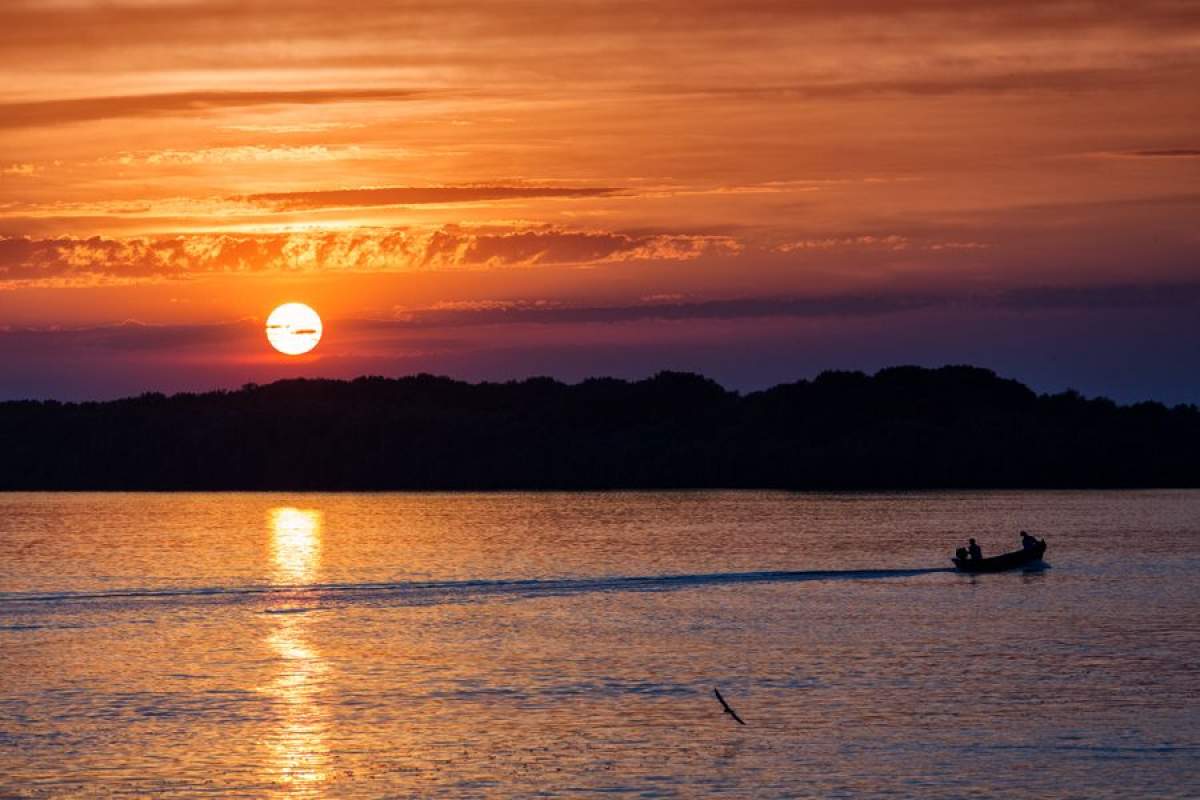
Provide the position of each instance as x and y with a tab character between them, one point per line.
1014	560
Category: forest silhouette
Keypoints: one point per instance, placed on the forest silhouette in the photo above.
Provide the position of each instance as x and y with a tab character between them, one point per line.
902	428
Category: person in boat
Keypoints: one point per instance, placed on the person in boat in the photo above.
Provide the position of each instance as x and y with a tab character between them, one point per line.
960	554
973	551
1028	542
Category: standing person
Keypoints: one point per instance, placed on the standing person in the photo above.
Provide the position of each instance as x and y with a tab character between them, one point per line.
973	551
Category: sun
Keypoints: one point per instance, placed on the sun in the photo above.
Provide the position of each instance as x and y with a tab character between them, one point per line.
293	328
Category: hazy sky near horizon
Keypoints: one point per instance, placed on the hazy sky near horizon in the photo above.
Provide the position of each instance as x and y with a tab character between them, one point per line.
503	188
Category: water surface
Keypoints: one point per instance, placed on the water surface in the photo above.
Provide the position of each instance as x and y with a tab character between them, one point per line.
460	645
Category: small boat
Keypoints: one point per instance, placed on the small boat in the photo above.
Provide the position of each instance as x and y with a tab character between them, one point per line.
1019	558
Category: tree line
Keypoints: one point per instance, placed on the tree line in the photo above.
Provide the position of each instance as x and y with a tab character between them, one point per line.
901	428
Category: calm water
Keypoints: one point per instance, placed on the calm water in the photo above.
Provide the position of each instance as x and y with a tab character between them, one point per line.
309	645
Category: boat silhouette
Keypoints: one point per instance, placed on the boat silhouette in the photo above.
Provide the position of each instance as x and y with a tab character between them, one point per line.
1018	558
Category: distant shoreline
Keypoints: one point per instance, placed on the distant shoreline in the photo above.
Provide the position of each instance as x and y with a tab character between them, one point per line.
900	430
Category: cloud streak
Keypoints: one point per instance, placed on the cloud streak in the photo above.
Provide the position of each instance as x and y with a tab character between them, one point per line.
1035	298
406	195
135	336
86	109
982	79
244	154
1171	153
60	260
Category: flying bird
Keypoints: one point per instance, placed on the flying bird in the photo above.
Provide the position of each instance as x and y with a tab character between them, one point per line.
728	710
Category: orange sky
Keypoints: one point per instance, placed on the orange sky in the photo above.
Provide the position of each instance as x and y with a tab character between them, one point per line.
486	178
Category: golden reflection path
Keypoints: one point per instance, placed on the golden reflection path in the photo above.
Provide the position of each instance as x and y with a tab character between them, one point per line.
295	544
299	763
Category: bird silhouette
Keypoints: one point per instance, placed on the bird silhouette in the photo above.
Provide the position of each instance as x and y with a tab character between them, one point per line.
728	710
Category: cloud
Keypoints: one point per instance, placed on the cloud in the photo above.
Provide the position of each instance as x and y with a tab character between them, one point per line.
298	127
516	47
85	109
982	78
1176	153
407	195
38	24
551	313
261	204
544	312
1167	153
131	335
66	260
239	155
885	242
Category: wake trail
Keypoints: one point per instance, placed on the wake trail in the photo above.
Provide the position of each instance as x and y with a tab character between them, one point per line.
434	592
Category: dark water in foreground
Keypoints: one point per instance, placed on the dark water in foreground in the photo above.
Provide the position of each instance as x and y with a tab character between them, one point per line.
308	645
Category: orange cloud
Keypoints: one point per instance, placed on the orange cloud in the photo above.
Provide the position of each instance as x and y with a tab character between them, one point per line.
1166	153
406	195
59	259
239	155
84	109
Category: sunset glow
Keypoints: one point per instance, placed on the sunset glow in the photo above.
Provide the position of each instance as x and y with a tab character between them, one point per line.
492	190
599	398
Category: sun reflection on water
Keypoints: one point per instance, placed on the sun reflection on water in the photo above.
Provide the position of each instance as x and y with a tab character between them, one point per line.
299	763
296	544
300	754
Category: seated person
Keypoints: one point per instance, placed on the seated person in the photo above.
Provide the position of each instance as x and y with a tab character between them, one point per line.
960	554
973	551
1028	542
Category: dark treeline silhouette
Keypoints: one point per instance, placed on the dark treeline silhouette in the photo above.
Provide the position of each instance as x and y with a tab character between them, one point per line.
904	427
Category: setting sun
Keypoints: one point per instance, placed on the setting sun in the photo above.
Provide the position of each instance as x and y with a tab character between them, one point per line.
293	329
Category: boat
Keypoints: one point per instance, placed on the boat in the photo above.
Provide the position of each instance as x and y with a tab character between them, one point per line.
1018	558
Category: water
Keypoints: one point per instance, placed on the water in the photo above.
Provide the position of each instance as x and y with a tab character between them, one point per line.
312	645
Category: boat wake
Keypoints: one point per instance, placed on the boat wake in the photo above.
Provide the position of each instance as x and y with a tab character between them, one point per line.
434	592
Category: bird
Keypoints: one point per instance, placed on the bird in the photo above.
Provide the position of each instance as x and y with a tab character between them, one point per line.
728	710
